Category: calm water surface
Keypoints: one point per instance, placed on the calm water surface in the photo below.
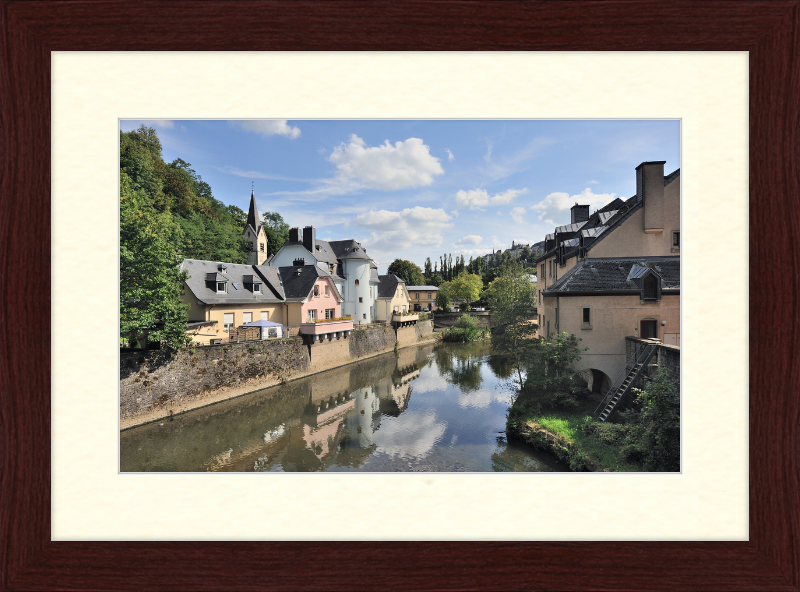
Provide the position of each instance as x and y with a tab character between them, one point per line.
429	408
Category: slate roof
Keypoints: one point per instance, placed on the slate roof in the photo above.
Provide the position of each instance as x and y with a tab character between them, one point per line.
421	288
253	219
297	282
388	285
323	251
349	249
205	289
617	275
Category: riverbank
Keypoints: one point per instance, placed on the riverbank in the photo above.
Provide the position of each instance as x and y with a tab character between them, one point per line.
560	432
274	371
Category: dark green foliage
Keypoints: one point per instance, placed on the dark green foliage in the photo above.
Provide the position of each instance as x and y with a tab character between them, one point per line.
407	271
210	229
150	281
654	423
276	229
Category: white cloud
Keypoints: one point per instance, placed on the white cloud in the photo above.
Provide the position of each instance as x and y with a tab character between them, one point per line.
592	182
412	435
387	167
477	198
553	207
472	239
517	213
269	127
450	156
394	231
488	156
321	150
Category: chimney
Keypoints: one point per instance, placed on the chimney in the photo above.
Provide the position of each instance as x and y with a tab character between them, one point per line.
650	190
294	235
579	213
309	238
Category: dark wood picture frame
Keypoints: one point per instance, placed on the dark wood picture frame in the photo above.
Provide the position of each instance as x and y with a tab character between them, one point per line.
769	30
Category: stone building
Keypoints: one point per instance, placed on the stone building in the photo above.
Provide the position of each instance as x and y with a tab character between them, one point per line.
615	273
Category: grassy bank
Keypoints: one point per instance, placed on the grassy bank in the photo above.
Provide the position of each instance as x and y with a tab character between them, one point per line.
561	431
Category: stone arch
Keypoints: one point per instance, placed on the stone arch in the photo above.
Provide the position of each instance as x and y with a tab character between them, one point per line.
599	381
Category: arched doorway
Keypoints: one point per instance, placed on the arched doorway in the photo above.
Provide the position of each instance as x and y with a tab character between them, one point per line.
600	381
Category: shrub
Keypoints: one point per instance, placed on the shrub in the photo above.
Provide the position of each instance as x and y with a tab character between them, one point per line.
467	322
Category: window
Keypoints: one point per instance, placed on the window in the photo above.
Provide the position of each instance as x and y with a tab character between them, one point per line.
649	291
228	321
429	295
676	240
312	314
396	309
257	288
247	317
261	247
356	282
586	315
364	315
370	291
299	262
417	295
586	318
330	313
327	290
316	290
360	299
220	287
264	315
330	268
404	308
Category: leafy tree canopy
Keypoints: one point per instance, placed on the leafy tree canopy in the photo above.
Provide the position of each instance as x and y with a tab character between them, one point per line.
466	287
407	271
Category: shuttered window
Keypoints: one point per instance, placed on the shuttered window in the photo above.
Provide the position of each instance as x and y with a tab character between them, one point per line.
228	321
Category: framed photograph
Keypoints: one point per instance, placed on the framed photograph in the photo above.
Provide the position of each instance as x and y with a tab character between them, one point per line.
37	555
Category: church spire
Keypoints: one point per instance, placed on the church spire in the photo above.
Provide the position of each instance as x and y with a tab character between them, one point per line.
253	218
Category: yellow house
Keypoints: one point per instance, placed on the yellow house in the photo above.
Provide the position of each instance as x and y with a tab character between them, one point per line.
615	274
422	297
222	296
392	297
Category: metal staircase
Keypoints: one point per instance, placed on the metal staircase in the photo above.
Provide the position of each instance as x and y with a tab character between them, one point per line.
633	370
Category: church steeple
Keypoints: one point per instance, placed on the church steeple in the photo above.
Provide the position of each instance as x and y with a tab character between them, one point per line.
254	231
253	219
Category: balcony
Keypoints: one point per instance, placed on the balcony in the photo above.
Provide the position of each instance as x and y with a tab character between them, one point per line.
403	319
332	328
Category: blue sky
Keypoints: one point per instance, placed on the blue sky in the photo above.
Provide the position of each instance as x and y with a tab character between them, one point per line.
411	189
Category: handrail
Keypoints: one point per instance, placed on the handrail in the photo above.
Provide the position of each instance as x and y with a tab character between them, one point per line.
630	364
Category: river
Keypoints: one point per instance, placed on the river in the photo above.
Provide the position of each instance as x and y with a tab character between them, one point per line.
427	408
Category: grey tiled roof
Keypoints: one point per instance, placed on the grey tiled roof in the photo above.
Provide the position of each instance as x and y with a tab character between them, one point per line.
205	289
348	249
617	275
388	286
421	288
297	282
324	252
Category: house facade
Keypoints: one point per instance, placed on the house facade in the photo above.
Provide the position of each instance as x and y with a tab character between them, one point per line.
614	274
392	297
422	297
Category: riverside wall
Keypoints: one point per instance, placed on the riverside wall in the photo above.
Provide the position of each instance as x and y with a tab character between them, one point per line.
156	384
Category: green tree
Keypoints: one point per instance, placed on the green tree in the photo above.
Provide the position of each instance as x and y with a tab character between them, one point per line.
510	297
654	424
428	271
150	281
276	229
466	287
407	271
443	296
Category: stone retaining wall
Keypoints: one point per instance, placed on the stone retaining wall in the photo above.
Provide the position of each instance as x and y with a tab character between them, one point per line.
158	378
156	382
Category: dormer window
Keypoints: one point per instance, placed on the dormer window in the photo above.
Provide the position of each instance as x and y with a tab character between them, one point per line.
650	288
256	288
299	262
221	287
